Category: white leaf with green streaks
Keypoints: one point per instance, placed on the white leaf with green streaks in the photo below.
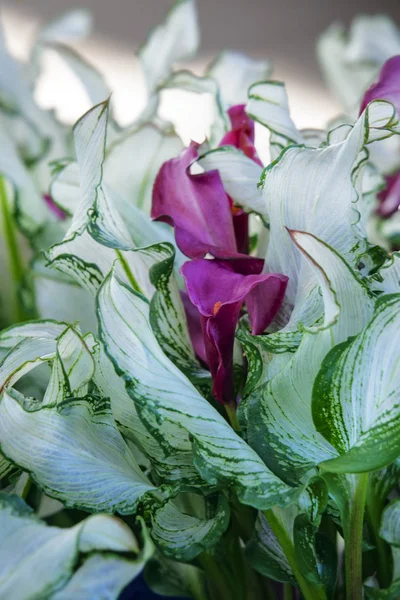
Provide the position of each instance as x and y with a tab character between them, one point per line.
74	452
316	190
280	425
240	176
182	535
162	393
170	464
38	561
356	402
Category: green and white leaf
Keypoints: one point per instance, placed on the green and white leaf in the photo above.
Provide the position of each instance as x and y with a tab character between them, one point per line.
356	404
133	160
169	463
316	190
240	176
278	413
163	394
41	561
268	105
181	535
73	451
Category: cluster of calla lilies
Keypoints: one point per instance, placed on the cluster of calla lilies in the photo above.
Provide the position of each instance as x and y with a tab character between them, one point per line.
200	364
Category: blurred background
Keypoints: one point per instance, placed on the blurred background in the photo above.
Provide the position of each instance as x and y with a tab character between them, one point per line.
285	31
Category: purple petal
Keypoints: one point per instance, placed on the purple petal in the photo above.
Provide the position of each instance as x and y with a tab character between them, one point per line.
194	327
389	198
196	205
388	85
242	133
55	209
218	288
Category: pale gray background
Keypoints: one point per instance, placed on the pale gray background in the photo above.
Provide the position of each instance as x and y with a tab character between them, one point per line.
275	28
284	31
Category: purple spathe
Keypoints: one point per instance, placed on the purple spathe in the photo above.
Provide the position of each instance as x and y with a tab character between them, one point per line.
218	288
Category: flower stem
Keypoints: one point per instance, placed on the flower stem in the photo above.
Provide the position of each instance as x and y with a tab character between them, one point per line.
231	412
353	535
309	590
15	261
287	591
374	513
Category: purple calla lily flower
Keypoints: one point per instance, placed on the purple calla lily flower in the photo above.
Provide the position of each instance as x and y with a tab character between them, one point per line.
242	133
218	288
387	88
194	327
196	205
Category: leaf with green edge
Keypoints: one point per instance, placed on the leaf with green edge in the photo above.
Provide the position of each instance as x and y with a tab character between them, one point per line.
171	578
98	234
268	105
42	561
42	328
59	297
89	77
234	73
181	535
355	400
278	414
168	321
265	554
329	180
175	40
90	143
150	146
163	394
266	355
189	82
300	520
169	463
74	452
240	176
389	276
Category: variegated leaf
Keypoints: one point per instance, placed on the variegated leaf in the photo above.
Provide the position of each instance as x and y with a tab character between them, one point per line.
163	394
278	413
356	404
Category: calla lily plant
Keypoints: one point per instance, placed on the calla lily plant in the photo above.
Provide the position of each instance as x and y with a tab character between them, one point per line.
199	352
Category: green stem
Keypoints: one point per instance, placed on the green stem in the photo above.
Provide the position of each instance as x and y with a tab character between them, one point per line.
215	576
231	412
287	591
374	514
195	585
128	272
353	535
309	590
15	261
